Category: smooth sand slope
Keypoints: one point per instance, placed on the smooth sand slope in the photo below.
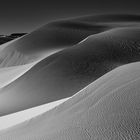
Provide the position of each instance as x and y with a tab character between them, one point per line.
67	55
13	119
10	74
52	36
58	35
63	74
106	109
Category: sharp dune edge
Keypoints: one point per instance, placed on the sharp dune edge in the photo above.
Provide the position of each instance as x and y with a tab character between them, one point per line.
92	59
106	109
66	72
13	119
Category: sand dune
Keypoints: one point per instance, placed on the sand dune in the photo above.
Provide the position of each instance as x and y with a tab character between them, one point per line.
64	73
13	119
106	109
64	57
59	34
52	36
10	74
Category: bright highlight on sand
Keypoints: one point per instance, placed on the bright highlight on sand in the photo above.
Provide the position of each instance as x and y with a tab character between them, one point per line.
19	117
90	63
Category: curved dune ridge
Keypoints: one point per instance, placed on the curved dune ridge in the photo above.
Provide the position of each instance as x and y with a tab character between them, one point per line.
64	73
106	109
58	35
13	119
75	58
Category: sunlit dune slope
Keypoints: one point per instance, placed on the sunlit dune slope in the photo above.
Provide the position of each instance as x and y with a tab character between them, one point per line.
106	109
52	36
60	34
63	74
13	119
10	74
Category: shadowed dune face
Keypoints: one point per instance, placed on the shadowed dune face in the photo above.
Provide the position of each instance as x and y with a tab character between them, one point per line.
13	119
58	35
110	18
52	36
106	109
65	73
69	55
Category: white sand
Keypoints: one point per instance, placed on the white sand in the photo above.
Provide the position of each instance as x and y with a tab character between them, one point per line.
106	109
8	75
19	117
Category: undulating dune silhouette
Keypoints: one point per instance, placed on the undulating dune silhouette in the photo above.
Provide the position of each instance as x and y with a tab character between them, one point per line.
106	109
7	38
51	37
63	74
92	59
59	35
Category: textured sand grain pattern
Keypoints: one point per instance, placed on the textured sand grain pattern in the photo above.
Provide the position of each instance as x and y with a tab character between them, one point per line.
106	109
94	60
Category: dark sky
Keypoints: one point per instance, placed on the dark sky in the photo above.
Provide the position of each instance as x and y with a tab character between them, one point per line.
27	15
